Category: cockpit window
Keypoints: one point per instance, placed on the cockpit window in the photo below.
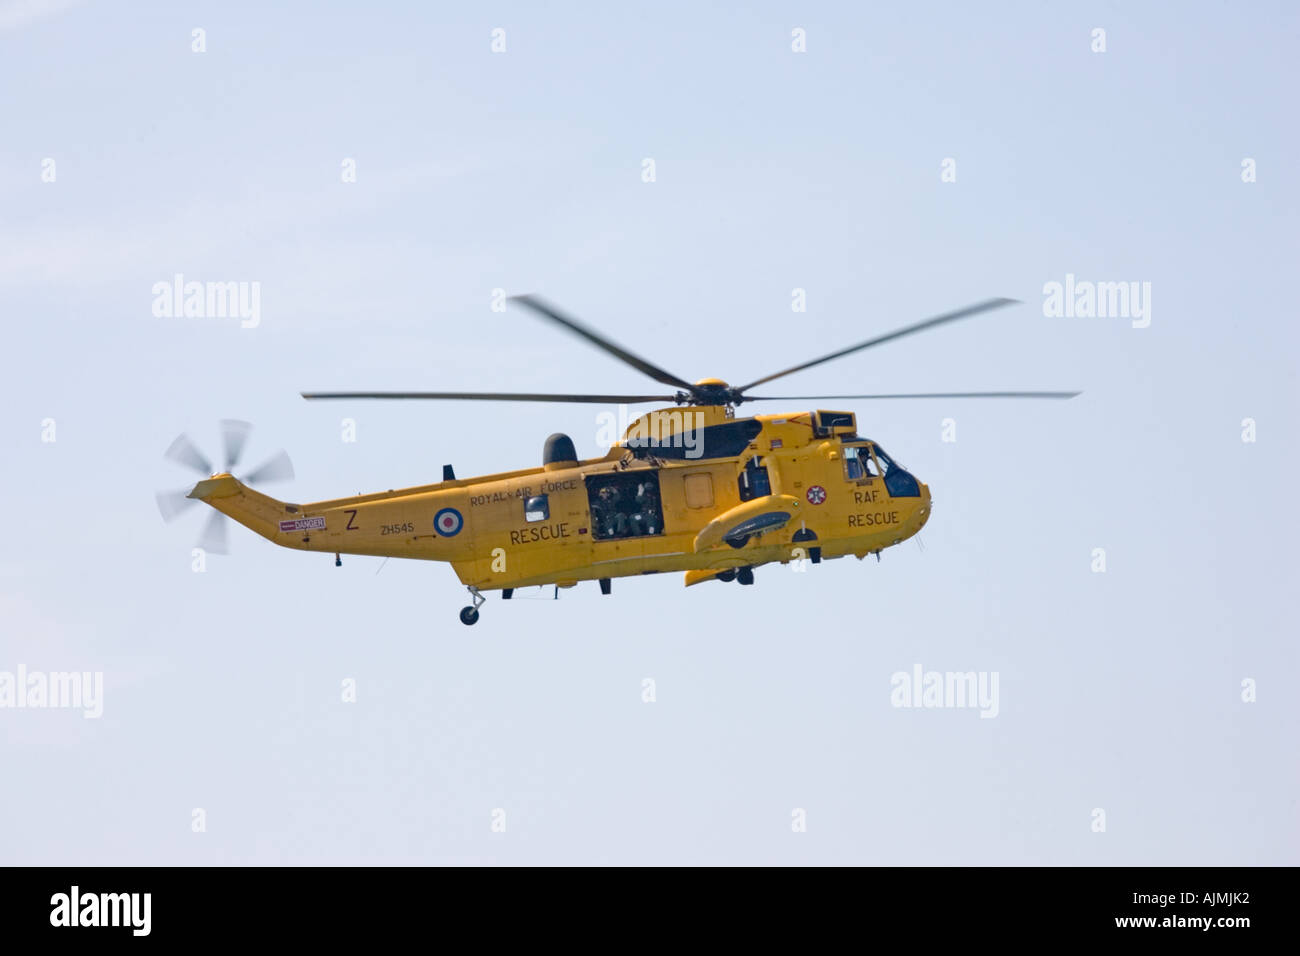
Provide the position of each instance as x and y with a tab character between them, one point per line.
886	462
858	463
754	481
898	480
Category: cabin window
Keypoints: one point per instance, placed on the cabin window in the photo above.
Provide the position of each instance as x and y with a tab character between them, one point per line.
699	491
858	463
625	505
537	508
753	481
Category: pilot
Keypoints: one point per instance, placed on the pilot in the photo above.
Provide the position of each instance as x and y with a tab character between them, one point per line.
853	464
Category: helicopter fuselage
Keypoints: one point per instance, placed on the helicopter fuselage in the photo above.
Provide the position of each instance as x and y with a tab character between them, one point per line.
688	489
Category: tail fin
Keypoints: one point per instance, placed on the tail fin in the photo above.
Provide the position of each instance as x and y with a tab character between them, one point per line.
250	508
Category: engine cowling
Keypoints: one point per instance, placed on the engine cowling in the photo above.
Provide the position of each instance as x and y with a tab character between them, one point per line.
558	452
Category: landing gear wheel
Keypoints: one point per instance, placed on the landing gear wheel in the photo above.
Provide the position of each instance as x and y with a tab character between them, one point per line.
469	615
727	575
745	575
738	542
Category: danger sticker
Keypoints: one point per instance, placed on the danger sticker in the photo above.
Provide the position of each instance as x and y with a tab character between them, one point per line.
303	524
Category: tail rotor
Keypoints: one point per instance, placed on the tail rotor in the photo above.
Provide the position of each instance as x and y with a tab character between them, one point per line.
183	451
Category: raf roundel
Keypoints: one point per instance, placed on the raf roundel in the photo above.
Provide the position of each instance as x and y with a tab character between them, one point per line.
448	522
816	495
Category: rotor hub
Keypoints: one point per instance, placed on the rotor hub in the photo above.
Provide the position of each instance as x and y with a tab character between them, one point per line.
709	391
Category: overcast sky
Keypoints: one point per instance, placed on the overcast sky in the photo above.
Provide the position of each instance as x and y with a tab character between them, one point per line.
127	158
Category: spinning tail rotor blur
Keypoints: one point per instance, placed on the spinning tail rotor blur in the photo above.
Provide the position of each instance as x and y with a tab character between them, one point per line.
183	451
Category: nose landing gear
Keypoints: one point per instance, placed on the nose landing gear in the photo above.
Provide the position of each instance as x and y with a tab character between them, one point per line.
469	615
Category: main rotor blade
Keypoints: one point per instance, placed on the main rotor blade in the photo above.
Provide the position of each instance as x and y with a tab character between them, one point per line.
546	310
182	450
277	468
233	435
500	397
937	320
818	398
213	539
172	503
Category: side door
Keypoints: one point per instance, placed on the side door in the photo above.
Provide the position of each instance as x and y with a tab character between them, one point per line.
863	485
625	523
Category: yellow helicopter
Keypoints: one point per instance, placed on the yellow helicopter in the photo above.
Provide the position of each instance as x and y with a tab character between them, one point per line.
689	488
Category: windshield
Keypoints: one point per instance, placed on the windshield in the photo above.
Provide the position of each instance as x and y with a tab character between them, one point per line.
885	461
898	482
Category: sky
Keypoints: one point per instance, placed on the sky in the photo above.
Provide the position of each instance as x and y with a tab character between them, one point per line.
1122	564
